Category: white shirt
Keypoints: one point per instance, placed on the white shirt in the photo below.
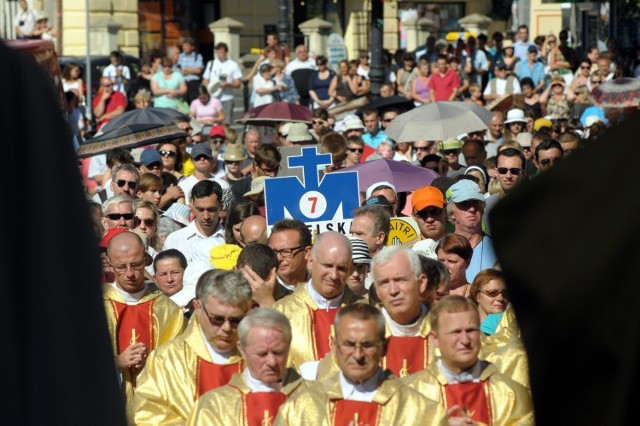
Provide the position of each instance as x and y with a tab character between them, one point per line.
201	249
256	385
297	64
364	392
97	166
501	86
118	84
471	375
188	183
321	301
183	240
28	18
129	298
260	83
216	68
216	356
408	330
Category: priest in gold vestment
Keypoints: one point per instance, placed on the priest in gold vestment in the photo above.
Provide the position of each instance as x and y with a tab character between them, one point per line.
139	316
312	307
203	358
252	398
361	392
470	389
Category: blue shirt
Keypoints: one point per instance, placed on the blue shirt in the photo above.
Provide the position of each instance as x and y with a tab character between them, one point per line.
192	60
490	323
374	141
520	49
536	73
484	257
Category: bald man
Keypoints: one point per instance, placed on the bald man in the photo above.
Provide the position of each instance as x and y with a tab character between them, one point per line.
254	230
312	307
139	316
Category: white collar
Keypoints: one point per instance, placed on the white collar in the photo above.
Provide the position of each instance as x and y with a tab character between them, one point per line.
359	392
402	330
471	375
321	301
258	386
217	356
285	285
130	298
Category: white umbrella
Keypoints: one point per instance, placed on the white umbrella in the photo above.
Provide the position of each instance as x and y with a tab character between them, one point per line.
439	121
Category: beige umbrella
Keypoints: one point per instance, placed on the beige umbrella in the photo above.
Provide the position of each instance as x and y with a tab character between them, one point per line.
439	121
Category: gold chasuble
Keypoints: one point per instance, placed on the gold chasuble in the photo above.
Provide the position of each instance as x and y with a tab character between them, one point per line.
322	404
494	400
154	320
311	327
175	376
235	404
409	354
506	351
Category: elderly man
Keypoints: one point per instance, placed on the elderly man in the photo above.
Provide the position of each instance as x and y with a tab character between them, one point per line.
471	390
206	205
465	204
361	393
251	143
302	61
313	306
372	224
139	316
118	212
109	103
493	138
428	210
400	283
290	239
203	358
254	396
474	152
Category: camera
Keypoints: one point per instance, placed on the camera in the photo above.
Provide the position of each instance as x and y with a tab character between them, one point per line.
20	23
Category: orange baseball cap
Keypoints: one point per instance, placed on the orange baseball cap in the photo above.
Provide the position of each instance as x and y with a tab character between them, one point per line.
426	197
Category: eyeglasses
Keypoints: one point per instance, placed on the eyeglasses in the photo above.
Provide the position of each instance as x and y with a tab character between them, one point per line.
167	153
218	320
135	266
349	347
118	216
467	204
495	293
289	252
428	212
421	148
107	85
232	162
514	171
121	183
148	222
156	165
547	162
201	157
360	150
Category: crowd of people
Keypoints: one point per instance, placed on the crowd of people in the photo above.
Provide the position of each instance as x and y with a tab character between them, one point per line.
216	319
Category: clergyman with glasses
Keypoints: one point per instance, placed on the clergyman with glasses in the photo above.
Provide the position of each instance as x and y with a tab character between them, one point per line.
139	316
203	358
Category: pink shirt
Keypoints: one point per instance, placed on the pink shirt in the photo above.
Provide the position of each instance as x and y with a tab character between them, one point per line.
206	111
443	86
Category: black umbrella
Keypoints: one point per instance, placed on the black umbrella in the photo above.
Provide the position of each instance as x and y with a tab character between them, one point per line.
130	136
156	116
400	103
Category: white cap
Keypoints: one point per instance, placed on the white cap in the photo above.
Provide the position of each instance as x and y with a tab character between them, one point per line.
379	184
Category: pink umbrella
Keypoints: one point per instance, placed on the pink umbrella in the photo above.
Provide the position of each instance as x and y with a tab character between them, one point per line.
270	114
404	176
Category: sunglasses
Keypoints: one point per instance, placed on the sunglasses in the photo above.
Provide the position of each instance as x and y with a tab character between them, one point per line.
595	82
118	216
232	162
121	183
360	150
495	293
201	157
421	148
167	153
450	152
218	320
428	212
514	171
148	222
467	204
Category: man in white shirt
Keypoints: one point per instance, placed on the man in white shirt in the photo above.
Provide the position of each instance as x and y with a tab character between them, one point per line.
118	73
206	167
501	84
206	207
228	74
25	20
302	61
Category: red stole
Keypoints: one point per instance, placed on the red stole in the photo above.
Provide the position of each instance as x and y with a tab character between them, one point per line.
210	376
134	324
406	355
472	398
322	327
260	408
356	413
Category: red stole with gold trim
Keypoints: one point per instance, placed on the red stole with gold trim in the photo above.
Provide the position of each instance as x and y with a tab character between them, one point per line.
356	413
134	324
210	376
322	327
472	398
260	408
406	355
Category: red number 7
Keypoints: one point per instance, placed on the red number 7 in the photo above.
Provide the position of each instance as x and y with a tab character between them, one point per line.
314	201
